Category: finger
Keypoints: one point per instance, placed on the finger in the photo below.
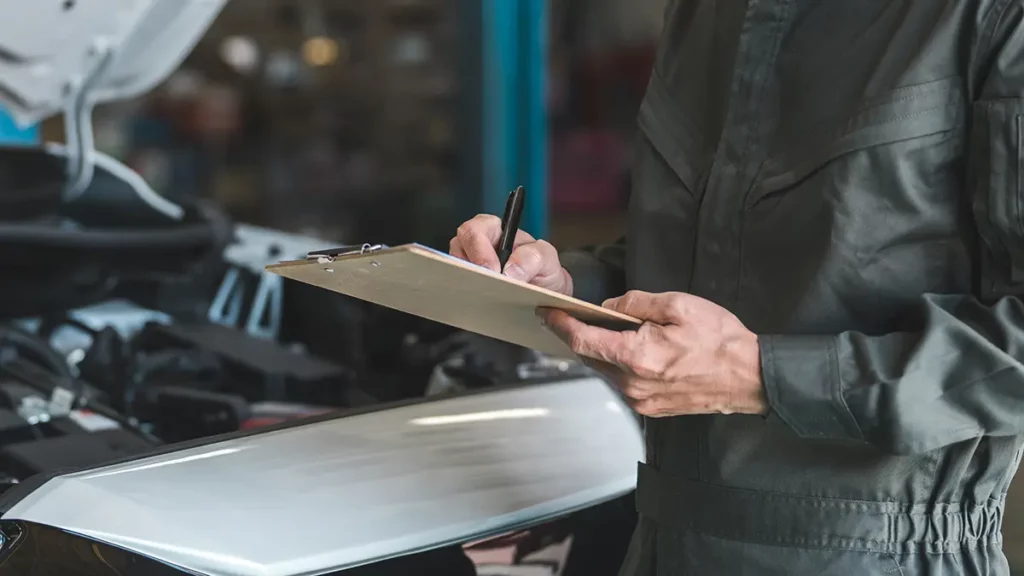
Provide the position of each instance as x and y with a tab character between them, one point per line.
586	340
663	308
638	388
649	407
455	245
535	260
628	383
477	237
521	238
455	249
680	404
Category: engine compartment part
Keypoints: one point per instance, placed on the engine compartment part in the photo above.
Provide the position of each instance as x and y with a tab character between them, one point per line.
82	450
259	369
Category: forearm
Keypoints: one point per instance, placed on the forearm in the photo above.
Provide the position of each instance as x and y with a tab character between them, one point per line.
960	376
959	373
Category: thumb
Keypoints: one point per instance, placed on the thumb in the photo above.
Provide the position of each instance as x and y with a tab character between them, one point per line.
664	308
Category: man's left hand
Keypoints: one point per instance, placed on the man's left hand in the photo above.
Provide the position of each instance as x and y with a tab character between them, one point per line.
690	356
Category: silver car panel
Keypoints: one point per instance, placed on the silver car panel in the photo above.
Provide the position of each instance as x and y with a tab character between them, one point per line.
347	491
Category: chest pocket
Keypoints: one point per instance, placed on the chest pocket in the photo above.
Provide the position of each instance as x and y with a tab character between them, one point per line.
901	114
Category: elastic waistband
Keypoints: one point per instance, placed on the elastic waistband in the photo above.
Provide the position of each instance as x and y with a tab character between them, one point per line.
788	520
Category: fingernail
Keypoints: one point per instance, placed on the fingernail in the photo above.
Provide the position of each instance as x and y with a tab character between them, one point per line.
515	272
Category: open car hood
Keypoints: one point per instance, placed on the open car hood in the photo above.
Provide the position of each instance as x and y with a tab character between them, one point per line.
348	490
50	47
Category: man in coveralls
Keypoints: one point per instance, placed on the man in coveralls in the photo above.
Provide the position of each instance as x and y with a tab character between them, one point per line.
826	242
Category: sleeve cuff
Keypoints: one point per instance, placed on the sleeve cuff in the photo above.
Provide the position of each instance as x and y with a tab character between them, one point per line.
801	380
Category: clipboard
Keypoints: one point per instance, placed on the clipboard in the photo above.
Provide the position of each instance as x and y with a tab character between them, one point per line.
428	283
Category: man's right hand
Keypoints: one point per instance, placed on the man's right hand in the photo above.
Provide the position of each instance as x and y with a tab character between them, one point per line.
533	261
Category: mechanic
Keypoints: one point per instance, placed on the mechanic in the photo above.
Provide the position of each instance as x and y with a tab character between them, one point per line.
826	244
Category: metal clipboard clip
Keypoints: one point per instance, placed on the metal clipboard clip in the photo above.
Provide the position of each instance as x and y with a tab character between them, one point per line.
329	255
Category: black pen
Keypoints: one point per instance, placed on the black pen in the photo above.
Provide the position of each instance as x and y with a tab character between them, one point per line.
510	225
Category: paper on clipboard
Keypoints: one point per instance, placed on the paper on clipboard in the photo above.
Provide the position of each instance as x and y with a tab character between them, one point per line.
418	280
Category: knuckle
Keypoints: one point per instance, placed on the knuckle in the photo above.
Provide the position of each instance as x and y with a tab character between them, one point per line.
547	252
470	239
627	357
650	369
654	407
529	258
635	358
474	226
482	222
630	300
676	307
651	365
644	407
545	247
577	343
635	389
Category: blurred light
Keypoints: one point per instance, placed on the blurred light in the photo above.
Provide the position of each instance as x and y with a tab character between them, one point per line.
76	356
183	84
241	53
412	49
320	51
283	68
511	414
132	467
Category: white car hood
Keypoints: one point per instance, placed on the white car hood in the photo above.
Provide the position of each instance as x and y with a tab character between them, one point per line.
49	46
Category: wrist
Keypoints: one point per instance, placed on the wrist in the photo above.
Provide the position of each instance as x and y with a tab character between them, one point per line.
749	393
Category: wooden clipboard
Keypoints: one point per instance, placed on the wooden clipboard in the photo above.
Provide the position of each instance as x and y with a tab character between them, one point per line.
418	280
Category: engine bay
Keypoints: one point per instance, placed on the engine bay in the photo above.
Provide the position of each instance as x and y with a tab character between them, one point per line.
118	338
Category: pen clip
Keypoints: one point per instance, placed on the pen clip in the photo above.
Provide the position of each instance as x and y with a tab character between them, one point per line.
330	254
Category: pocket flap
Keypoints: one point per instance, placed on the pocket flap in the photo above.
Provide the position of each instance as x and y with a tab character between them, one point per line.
903	114
674	136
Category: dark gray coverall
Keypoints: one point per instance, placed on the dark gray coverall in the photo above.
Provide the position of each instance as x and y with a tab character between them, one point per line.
845	176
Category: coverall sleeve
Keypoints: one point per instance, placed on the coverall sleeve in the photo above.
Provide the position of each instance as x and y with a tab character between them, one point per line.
960	375
598	272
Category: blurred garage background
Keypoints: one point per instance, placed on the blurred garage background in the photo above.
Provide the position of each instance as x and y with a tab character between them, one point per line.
364	119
